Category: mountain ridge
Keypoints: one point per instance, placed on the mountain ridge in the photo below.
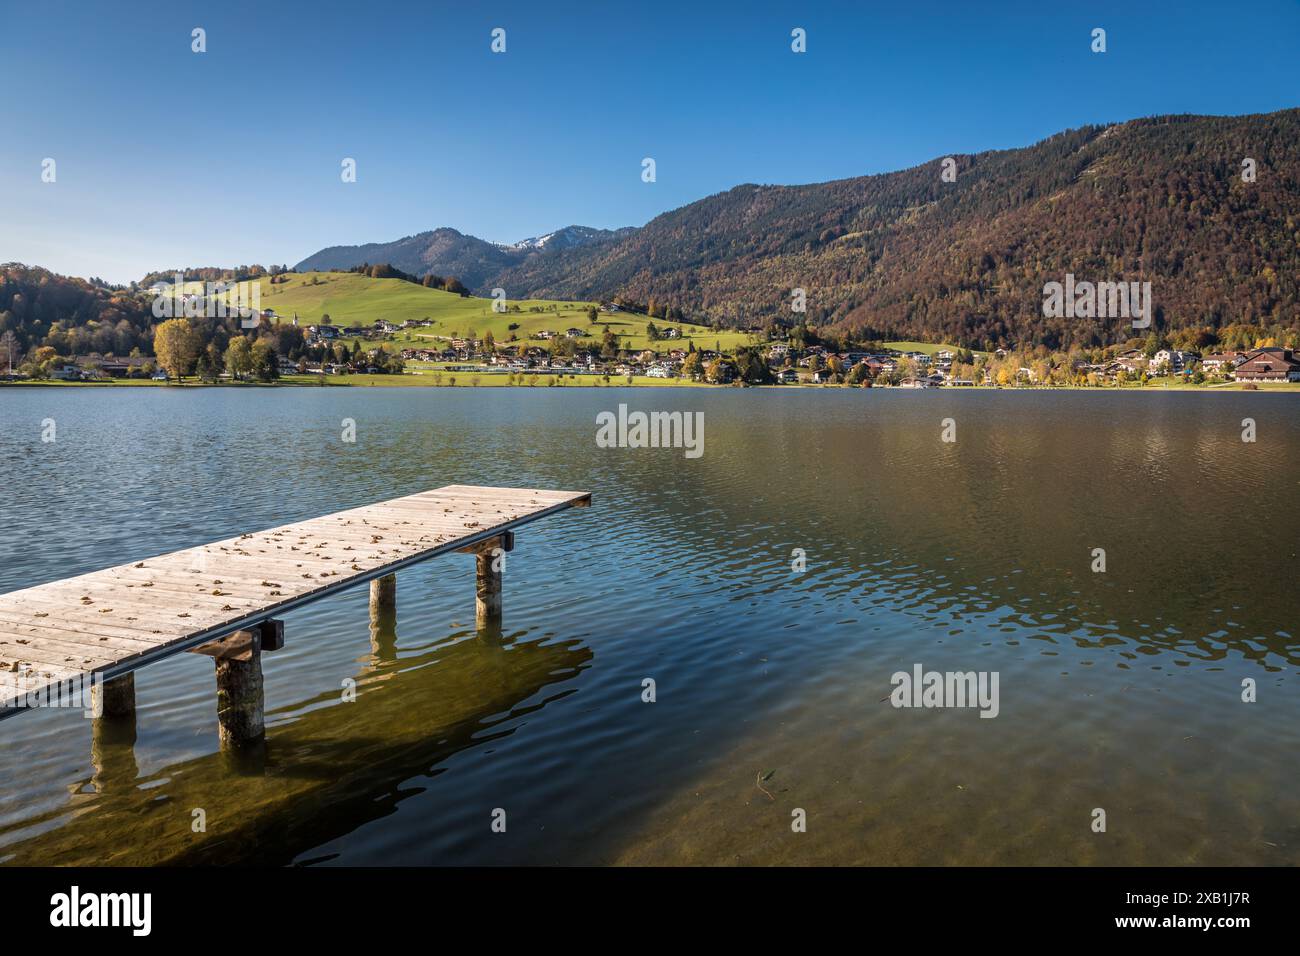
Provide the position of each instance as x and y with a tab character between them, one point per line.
904	254
449	252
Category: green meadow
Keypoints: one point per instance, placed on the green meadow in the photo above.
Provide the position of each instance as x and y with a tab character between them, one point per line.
351	299
929	348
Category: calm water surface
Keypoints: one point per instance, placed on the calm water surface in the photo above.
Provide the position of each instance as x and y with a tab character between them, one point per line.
1119	691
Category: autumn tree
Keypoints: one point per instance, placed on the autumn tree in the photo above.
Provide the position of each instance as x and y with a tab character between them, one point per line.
239	358
215	363
693	367
176	344
9	344
263	361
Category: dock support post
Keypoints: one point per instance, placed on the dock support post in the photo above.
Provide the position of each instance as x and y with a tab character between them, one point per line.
113	733
241	715
487	591
383	617
489	561
114	699
383	597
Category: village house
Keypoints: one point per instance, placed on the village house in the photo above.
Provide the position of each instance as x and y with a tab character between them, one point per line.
1220	362
1269	365
96	366
69	372
1131	361
424	355
1176	359
725	374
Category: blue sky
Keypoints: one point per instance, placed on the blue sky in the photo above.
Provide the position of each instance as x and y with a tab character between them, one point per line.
167	158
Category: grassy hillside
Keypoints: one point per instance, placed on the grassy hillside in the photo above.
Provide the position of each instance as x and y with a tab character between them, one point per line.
928	348
351	299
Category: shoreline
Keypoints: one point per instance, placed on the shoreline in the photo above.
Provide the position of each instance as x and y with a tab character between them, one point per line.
400	381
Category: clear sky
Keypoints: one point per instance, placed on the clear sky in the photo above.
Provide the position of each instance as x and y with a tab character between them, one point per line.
167	158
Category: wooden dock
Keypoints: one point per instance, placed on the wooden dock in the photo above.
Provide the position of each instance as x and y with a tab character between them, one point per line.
221	599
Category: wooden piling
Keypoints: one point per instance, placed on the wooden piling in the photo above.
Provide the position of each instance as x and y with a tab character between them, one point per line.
114	699
113	733
489	563
487	591
241	720
383	618
383	597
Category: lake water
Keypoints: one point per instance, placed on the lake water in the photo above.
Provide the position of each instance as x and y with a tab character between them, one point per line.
1119	690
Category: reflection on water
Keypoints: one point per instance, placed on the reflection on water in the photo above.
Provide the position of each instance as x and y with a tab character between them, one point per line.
1119	690
329	768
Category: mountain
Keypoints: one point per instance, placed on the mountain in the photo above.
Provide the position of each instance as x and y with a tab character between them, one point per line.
570	237
444	252
906	255
447	252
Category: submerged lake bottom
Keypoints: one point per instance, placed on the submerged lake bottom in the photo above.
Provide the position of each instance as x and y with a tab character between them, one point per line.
707	665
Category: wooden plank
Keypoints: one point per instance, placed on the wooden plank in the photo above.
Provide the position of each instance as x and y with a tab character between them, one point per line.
121	616
104	632
53	653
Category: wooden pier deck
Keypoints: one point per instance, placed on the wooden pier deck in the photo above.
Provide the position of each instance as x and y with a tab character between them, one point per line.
107	624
